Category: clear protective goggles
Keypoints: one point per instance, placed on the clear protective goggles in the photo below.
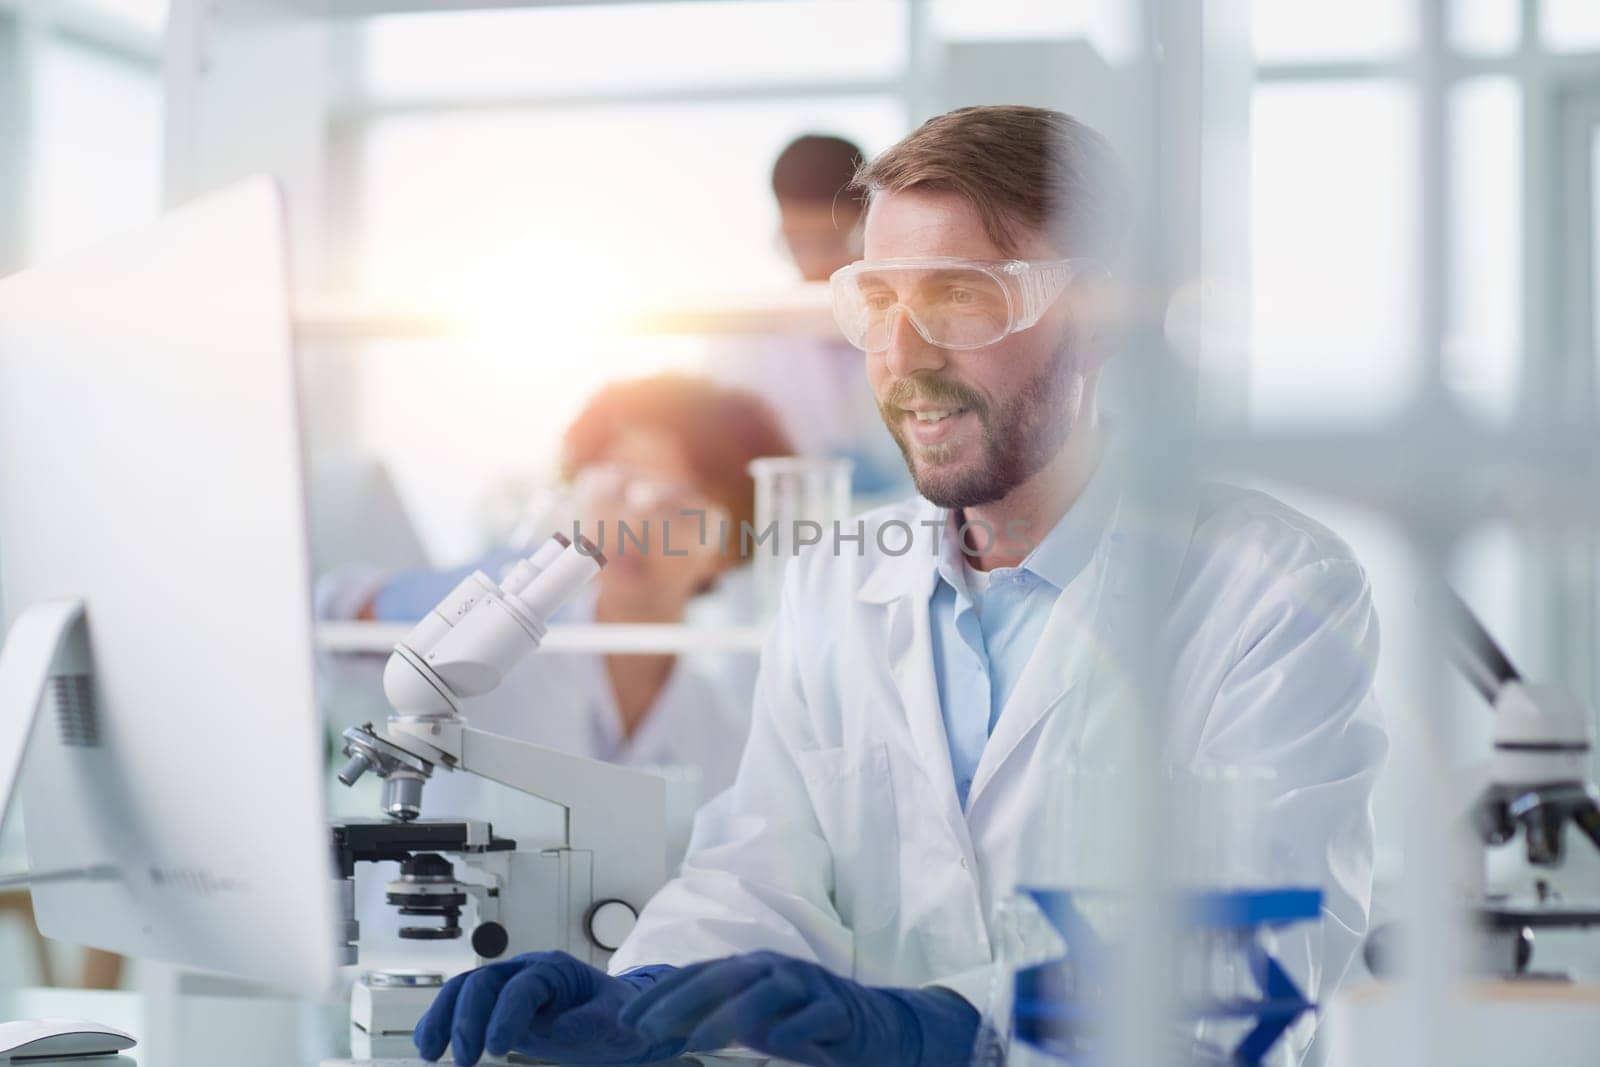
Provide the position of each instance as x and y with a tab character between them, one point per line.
951	302
615	487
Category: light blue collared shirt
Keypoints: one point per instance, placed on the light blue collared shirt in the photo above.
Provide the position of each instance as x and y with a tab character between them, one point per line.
983	638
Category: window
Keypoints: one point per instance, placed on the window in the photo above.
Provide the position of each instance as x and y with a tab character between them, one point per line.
96	160
646	47
490	214
1112	26
1570	25
1299	30
1485	27
552	195
1594	247
564	208
1483	346
1334	251
147	15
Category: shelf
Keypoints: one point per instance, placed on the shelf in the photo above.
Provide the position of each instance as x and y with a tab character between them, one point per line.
380	637
801	311
354	320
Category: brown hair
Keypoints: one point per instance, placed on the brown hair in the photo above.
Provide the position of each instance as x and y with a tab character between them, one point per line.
816	169
1022	168
721	429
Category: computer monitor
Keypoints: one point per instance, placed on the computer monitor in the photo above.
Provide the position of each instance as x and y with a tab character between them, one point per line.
150	467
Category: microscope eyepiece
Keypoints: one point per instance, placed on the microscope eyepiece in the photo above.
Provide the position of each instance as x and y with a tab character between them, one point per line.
588	548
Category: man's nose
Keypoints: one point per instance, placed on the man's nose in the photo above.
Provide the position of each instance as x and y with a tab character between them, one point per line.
908	352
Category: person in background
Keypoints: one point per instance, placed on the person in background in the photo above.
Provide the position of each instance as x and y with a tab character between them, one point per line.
818	385
818	217
641	452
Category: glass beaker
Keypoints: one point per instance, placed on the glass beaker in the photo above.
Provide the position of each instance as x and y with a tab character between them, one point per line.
1214	818
799	499
1022	937
1218	819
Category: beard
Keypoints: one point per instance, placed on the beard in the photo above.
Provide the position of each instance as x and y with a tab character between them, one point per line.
1017	436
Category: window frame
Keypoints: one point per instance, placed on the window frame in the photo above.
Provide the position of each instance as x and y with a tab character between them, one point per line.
25	28
1561	570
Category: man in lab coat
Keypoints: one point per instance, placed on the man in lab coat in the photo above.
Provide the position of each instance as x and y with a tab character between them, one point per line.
926	689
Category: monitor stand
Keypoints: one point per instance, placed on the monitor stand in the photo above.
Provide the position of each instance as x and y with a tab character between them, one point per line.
47	641
47	645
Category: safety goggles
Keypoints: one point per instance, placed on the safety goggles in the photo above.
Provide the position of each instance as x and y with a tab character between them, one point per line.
616	487
951	302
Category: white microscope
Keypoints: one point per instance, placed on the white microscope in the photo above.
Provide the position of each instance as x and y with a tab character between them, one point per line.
1539	784
580	893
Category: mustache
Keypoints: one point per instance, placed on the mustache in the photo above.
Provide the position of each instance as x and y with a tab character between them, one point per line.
933	389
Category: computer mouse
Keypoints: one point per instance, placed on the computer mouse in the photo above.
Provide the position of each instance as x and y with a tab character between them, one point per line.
35	1039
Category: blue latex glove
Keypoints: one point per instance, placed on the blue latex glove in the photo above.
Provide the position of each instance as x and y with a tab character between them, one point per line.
798	1011
546	1005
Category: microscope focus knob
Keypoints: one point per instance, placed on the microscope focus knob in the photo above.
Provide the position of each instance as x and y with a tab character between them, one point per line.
610	922
490	940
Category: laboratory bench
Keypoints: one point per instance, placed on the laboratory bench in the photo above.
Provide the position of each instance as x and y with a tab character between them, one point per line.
215	1022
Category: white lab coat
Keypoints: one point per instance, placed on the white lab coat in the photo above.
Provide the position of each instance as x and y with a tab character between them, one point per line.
842	840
